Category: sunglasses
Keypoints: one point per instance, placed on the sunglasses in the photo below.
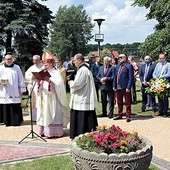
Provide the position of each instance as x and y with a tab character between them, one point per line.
120	57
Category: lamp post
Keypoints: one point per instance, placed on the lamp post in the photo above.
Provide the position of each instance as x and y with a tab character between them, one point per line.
99	37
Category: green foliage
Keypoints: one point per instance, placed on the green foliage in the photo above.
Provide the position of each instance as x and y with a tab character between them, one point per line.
91	48
70	31
24	26
159	41
129	49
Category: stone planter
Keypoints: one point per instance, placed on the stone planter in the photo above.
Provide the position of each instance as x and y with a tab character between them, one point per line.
85	160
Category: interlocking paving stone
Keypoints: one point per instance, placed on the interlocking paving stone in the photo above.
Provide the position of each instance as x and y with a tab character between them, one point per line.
10	153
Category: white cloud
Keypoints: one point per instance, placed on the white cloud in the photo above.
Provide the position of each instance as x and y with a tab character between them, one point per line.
123	22
122	25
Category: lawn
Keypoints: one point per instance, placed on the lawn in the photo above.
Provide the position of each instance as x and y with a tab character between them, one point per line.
52	163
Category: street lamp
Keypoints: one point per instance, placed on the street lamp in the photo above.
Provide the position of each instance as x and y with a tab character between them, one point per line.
99	37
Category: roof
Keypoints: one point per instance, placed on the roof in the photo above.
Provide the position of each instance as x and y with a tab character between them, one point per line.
95	53
115	53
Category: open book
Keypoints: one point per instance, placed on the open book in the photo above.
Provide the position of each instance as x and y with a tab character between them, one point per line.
40	75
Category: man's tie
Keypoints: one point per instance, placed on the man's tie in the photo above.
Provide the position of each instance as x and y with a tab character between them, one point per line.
118	73
105	70
146	71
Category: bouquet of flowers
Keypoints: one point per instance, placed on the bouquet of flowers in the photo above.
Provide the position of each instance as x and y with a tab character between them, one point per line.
158	87
110	140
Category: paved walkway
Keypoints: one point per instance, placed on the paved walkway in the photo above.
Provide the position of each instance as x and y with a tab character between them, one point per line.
156	129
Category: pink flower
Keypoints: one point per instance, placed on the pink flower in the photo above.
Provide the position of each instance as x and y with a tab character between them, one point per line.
102	143
98	138
112	137
115	145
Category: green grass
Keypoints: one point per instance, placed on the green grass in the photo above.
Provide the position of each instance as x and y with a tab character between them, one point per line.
51	163
153	167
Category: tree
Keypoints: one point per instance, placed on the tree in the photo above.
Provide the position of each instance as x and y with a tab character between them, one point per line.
129	49
70	31
159	41
23	26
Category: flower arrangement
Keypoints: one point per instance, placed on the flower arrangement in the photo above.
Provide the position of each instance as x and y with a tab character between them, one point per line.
158	87
110	140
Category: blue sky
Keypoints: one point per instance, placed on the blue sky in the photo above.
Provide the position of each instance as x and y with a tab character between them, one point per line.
123	23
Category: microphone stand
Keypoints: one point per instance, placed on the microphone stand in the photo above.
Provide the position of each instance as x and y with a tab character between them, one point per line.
32	133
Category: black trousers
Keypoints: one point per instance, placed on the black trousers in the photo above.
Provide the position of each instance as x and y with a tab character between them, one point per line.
110	95
12	114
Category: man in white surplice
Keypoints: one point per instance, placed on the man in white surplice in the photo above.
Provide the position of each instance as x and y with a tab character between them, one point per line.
11	92
32	82
83	99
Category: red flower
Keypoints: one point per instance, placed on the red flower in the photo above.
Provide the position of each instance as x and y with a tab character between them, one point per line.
102	143
98	138
112	137
115	145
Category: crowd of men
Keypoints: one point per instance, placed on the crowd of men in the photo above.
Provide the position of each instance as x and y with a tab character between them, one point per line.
115	78
119	80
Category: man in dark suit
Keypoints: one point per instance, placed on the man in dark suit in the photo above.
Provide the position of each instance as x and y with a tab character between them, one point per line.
105	75
96	67
145	76
122	83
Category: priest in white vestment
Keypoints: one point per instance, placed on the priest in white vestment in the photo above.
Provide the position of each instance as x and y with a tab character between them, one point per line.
53	111
83	100
11	92
32	85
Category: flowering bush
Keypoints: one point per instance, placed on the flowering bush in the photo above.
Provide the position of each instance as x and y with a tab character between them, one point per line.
110	140
158	87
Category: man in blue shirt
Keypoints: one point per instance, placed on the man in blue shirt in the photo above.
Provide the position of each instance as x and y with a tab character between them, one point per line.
162	70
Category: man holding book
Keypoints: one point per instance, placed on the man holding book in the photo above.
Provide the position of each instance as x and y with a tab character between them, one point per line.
52	106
